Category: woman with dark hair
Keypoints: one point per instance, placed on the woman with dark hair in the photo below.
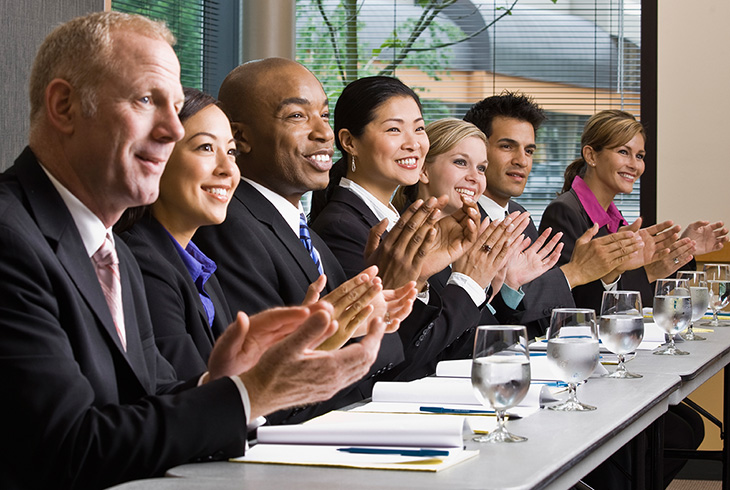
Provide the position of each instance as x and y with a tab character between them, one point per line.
187	305
612	159
379	129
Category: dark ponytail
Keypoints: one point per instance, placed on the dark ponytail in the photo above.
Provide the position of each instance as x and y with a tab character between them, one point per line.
577	168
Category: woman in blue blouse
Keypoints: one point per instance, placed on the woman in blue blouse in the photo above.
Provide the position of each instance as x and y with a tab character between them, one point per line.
187	305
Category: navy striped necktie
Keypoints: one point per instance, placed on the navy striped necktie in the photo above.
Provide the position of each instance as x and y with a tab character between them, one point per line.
306	239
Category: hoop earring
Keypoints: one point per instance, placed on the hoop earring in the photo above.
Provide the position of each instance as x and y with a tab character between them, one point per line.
352	157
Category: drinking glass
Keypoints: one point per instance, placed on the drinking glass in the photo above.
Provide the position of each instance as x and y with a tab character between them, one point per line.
672	312
716	271
700	297
572	351
500	373
719	297
621	327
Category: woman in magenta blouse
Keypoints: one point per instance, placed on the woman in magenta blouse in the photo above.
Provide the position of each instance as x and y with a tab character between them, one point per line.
612	159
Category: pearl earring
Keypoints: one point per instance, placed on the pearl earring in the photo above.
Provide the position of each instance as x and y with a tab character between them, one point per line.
353	163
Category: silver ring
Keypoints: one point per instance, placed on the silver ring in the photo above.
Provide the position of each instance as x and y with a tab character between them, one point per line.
386	318
486	248
676	260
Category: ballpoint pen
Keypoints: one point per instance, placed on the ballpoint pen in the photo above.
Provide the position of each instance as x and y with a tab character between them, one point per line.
459	411
429	453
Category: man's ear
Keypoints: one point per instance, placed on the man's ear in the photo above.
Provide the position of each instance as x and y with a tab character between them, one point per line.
347	141
241	135
62	105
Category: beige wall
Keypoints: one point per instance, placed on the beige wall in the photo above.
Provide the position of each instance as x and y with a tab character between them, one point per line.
693	111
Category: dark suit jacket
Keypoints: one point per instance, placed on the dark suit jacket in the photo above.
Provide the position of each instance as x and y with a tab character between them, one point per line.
567	214
345	224
262	264
548	291
80	411
180	322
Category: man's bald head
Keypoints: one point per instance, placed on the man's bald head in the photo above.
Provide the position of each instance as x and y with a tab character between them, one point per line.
244	85
280	118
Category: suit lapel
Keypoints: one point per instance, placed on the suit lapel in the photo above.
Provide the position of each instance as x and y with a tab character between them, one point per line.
347	197
266	213
57	225
156	234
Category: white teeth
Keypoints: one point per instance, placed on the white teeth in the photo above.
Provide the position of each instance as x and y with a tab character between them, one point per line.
321	158
408	162
219	191
465	192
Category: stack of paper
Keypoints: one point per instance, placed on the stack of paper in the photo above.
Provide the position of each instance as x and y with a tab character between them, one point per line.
365	440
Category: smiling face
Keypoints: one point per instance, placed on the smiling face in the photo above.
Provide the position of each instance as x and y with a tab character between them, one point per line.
511	147
613	171
286	143
200	177
119	152
458	173
392	148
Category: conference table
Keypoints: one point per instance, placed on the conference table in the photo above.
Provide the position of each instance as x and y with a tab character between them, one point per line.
706	359
562	447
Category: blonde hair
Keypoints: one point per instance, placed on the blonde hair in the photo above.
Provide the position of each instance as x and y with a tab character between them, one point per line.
80	51
607	129
443	136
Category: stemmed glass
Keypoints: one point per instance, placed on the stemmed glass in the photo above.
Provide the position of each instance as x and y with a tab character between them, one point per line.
719	290
500	373
672	312
716	271
572	351
700	297
621	327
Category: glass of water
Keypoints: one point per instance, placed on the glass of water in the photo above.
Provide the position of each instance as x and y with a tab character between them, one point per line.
716	271
500	373
621	327
672	312
572	351
700	297
719	290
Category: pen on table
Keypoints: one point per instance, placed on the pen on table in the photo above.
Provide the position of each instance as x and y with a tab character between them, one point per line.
400	452
559	384
459	411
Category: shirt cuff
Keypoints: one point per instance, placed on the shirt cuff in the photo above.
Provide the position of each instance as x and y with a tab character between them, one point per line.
472	288
424	296
511	297
611	287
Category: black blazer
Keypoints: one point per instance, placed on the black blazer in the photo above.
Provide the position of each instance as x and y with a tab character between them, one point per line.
345	224
182	332
262	264
80	411
567	214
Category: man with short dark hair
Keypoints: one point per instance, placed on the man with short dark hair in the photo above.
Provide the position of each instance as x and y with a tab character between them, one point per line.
511	121
89	400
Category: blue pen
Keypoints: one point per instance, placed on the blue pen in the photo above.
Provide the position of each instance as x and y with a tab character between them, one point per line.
459	411
559	384
400	452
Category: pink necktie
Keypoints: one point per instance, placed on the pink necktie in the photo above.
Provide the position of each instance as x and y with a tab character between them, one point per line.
107	270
